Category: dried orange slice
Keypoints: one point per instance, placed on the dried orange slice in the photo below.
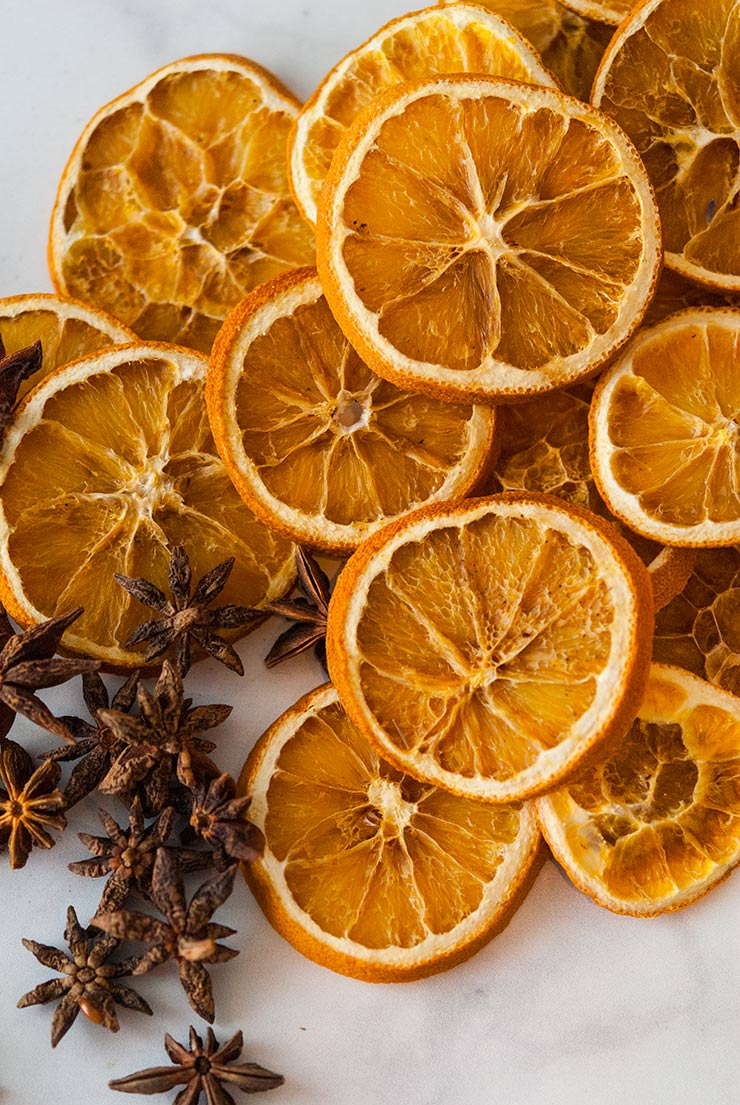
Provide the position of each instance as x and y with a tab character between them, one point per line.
462	38
665	447
108	463
459	209
367	871
66	328
488	646
658	824
543	446
612	12
676	293
175	201
570	46
670	78
316	444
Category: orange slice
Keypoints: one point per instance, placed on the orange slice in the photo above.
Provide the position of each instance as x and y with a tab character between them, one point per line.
658	824
367	871
462	38
175	201
108	463
459	209
570	46
613	12
670	77
543	446
675	293
316	444
66	328
665	448
488	646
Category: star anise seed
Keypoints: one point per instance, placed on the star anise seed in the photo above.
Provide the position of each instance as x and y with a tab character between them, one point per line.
15	368
89	983
30	803
186	935
218	817
203	1070
188	617
309	612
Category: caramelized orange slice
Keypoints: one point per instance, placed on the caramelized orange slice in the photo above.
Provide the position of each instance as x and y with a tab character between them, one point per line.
605	11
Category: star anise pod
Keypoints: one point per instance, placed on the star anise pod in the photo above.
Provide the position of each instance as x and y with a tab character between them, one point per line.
89	983
188	616
126	856
309	612
186	935
30	803
202	1069
161	741
14	369
96	746
218	816
28	664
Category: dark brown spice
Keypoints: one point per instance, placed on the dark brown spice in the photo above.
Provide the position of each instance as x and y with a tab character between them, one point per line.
30	803
309	612
219	818
14	369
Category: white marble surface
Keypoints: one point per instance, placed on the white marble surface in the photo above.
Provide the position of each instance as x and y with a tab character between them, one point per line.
570	1004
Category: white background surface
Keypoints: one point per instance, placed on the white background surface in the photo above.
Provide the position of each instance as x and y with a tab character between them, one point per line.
570	1004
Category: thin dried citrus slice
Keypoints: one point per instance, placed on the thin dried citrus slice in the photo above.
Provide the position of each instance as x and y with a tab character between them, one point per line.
66	328
612	12
367	871
543	446
570	46
665	445
175	201
488	646
458	210
676	293
658	824
108	463
671	79
316	444
463	38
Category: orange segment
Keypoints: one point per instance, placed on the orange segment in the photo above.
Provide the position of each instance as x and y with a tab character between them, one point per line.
464	38
175	201
367	871
459	208
108	464
664	438
670	79
317	445
487	647
658	824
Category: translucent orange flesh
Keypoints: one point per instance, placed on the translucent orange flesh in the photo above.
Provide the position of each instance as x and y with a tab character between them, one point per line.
480	646
121	466
479	229
329	437
700	629
181	206
674	87
370	854
673	422
664	812
426	46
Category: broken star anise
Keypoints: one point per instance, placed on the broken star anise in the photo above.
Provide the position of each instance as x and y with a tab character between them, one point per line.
30	803
126	856
218	816
96	746
309	612
89	983
161	741
187	933
14	369
188	617
203	1070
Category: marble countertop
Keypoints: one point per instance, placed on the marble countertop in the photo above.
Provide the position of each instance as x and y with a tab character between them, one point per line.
570	1005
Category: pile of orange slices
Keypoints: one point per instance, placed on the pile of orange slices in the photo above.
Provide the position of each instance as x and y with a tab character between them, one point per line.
471	318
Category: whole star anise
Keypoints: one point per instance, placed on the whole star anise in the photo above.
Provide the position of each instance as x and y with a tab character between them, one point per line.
14	369
28	664
96	746
188	617
161	741
186	935
202	1069
30	803
309	612
127	857
89	983
218	816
